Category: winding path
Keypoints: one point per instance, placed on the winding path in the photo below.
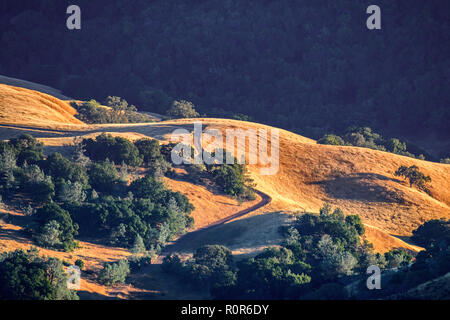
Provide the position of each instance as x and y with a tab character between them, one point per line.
192	236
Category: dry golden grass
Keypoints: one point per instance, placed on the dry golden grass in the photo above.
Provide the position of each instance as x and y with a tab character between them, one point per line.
33	86
20	106
209	207
360	181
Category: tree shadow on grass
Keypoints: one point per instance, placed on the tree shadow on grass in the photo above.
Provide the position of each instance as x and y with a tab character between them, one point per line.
361	186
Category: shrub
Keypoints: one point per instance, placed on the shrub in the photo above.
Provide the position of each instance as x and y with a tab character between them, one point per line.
331	139
71	192
80	264
182	109
58	166
115	272
172	264
27	148
397	258
103	176
52	212
138	245
50	235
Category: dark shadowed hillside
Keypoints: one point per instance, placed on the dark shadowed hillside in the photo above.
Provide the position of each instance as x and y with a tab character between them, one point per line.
308	66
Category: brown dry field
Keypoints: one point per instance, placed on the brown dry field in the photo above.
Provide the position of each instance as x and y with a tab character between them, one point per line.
359	180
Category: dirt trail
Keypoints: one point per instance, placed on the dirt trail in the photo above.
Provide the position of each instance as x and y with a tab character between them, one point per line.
187	240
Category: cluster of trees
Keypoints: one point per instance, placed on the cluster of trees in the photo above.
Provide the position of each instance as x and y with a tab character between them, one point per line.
116	110
143	152
91	197
25	275
320	253
311	67
232	178
365	137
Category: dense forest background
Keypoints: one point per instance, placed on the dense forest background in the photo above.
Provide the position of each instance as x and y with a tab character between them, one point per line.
308	66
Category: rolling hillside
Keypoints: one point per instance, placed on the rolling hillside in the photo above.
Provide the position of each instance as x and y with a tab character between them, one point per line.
360	181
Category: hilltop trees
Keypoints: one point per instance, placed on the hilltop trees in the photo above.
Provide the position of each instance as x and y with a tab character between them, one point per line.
182	109
118	112
367	138
414	176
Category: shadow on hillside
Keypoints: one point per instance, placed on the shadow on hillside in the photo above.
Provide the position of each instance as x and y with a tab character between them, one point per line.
164	286
253	231
360	186
154	130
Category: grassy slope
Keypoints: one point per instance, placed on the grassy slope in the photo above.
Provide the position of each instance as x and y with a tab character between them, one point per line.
359	180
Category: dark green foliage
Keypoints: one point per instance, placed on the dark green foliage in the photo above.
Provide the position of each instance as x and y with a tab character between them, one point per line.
32	181
150	151
331	139
414	176
172	264
114	272
344	231
154	213
273	274
182	109
148	187
80	264
211	267
119	112
433	232
116	149
233	179
397	258
365	137
27	149
52	212
213	256
155	100
103	176
138	262
58	166
26	276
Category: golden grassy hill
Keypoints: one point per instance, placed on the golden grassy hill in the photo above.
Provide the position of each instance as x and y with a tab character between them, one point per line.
33	86
20	106
359	180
